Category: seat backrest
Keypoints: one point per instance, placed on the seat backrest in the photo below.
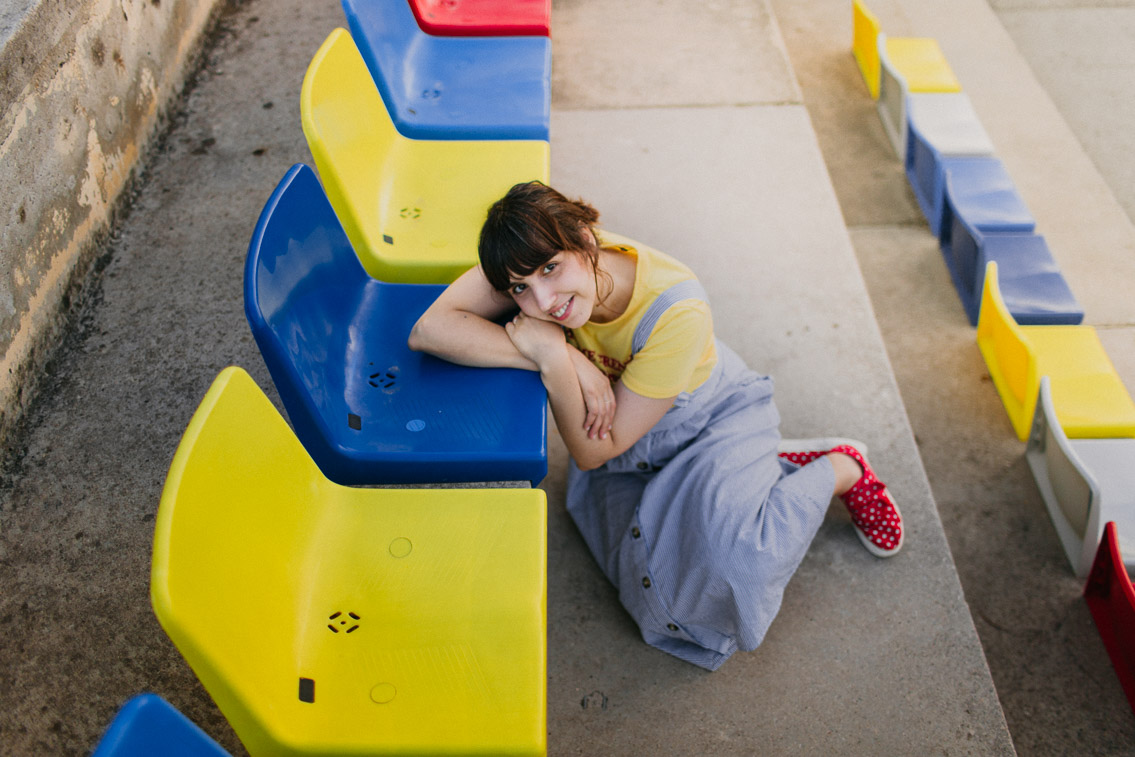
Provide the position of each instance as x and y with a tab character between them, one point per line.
1066	481
1071	483
1002	338
1111	599
893	92
395	42
238	472
348	130
298	247
865	44
303	286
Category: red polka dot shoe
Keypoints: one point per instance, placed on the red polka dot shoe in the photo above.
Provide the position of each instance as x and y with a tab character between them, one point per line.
876	517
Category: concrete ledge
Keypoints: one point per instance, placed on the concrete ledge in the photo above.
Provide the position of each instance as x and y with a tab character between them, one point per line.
863	649
85	88
721	53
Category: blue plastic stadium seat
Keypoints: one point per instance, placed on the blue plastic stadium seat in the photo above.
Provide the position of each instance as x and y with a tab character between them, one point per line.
1032	285
148	725
940	125
980	199
453	87
367	408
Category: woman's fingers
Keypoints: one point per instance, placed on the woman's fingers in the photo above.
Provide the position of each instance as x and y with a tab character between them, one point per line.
604	417
598	418
591	423
607	421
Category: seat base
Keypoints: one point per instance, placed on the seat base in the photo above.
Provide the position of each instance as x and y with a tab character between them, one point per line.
1032	285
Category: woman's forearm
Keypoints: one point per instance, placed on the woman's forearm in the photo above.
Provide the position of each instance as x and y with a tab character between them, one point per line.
569	410
459	326
466	339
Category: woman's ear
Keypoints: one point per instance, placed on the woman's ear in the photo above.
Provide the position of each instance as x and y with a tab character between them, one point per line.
589	236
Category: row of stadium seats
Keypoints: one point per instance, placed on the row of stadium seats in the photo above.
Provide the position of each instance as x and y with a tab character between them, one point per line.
1059	387
331	587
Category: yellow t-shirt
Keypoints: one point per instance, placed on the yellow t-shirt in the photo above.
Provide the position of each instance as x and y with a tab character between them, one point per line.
679	355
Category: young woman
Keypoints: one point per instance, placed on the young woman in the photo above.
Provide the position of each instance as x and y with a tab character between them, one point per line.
676	481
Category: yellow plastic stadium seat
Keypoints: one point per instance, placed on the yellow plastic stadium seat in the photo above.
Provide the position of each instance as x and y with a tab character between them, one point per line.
327	620
412	209
865	45
1089	398
922	64
909	64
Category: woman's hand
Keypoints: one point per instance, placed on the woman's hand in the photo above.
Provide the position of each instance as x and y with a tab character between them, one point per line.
543	343
598	396
538	340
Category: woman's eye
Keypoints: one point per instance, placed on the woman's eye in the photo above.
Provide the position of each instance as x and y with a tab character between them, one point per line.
518	289
549	267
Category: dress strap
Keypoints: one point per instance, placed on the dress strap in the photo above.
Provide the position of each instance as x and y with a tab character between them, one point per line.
690	289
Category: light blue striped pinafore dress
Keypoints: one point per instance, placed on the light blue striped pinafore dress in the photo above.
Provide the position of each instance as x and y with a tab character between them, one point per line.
700	525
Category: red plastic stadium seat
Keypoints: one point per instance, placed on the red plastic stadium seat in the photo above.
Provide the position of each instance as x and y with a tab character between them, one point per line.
483	18
1111	598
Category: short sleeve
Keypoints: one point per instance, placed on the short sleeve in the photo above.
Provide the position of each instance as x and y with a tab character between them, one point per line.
676	347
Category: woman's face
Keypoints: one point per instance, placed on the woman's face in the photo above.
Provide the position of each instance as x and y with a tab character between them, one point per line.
561	291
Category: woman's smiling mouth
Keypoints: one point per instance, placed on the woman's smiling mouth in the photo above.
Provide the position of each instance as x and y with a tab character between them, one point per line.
561	313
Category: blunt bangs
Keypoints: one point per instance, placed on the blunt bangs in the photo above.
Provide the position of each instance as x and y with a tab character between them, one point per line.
514	254
526	228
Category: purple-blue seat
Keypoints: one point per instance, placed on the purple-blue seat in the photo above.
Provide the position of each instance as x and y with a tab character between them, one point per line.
941	126
453	87
367	408
980	198
1032	286
148	725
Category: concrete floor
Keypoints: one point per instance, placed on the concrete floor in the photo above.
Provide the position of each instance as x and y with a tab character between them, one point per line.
78	498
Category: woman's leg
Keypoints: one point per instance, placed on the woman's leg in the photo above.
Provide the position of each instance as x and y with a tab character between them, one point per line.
847	471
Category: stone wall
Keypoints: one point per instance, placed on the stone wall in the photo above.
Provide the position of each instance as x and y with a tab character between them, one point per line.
84	91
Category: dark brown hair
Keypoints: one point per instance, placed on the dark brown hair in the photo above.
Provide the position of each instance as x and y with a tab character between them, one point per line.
528	227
